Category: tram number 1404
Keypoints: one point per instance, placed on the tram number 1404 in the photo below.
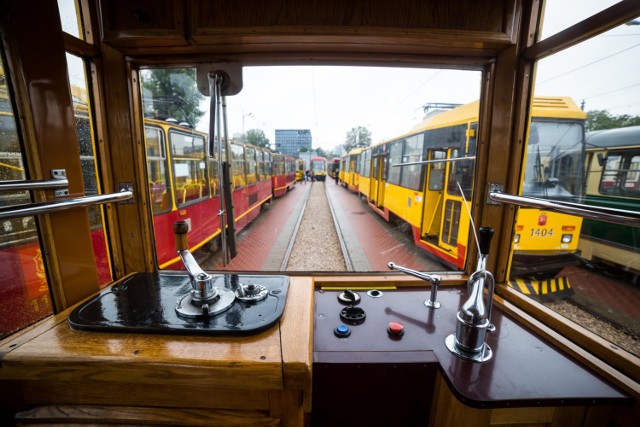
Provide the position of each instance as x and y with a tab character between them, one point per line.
541	232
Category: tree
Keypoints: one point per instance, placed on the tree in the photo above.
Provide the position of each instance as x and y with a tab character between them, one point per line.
602	119
357	137
172	93
257	138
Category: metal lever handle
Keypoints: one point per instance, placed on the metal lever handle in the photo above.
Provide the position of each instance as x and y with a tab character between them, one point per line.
434	279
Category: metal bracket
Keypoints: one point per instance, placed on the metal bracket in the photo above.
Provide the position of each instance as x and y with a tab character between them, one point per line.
126	186
494	188
60	174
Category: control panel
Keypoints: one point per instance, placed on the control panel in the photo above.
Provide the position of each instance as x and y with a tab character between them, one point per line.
374	358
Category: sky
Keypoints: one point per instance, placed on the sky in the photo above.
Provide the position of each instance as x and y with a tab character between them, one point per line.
604	73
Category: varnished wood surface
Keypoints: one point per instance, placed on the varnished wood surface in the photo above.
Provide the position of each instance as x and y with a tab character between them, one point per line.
128	415
55	352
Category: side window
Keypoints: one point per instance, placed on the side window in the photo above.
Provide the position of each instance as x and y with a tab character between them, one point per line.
620	175
237	166
412	175
437	170
250	164
189	167
367	164
395	158
25	290
157	169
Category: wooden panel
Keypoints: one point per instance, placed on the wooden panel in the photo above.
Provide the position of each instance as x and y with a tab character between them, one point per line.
163	395
141	416
143	22
124	150
251	362
440	14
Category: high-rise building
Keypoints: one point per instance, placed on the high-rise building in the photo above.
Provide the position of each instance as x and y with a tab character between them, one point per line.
290	141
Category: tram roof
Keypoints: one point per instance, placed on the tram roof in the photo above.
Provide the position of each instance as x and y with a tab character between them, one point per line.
548	106
609	138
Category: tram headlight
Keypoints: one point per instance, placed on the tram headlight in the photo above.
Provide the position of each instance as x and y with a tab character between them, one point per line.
567	238
516	239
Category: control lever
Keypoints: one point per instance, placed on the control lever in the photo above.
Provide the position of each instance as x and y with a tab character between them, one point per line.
204	299
435	280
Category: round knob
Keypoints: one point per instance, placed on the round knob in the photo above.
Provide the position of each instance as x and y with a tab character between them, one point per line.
395	329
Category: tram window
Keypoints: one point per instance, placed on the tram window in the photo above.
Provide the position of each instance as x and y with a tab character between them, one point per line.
250	156
85	135
157	169
412	175
460	174
395	158
237	166
70	17
597	79
189	167
24	289
437	171
620	174
366	171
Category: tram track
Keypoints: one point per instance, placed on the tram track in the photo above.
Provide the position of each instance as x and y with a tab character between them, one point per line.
317	243
343	246
292	241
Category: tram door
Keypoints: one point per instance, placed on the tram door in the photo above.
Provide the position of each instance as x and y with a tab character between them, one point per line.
378	179
434	196
454	212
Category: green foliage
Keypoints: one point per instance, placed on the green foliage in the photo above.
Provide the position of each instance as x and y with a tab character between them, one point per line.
172	93
357	137
322	153
257	137
602	119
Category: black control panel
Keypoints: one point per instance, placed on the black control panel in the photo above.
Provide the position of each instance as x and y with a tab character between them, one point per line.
146	303
374	363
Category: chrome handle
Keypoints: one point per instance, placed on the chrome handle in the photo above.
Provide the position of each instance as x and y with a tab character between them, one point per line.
617	216
31	209
33	184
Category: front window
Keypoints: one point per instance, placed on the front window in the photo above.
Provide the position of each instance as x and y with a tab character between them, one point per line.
555	160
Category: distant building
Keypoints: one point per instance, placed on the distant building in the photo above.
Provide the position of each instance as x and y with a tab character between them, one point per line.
290	141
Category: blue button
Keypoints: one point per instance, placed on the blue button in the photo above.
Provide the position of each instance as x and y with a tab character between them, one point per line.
342	331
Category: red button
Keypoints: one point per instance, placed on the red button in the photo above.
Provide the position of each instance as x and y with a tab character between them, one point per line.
396	328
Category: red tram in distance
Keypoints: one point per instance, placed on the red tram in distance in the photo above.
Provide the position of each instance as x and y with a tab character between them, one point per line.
183	185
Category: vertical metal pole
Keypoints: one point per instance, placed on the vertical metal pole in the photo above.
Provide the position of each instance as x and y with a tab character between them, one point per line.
231	226
214	86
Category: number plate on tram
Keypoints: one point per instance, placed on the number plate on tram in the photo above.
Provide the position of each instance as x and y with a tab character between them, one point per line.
541	232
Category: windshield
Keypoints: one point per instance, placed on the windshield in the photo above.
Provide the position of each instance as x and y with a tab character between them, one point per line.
554	161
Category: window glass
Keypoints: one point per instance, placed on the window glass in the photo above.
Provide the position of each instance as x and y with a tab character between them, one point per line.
367	162
24	289
157	169
250	155
561	14
71	18
237	166
85	134
367	133
189	166
582	147
412	175
395	158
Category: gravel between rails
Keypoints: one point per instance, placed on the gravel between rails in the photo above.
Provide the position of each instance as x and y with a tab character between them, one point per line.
317	247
